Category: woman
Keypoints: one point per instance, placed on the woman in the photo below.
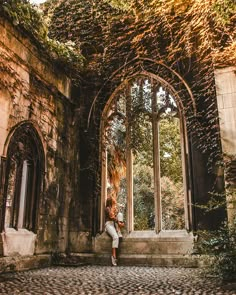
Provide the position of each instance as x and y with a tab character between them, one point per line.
110	228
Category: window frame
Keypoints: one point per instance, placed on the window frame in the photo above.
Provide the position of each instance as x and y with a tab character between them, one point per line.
24	146
129	160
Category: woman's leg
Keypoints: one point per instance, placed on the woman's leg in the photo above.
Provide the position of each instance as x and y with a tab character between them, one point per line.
113	252
110	228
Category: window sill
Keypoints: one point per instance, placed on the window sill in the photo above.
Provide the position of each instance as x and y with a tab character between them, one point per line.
164	234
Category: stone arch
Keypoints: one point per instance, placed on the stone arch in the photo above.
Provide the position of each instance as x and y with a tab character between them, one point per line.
36	133
151	67
25	168
184	99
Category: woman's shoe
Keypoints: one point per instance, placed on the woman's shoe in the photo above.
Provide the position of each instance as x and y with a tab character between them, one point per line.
113	261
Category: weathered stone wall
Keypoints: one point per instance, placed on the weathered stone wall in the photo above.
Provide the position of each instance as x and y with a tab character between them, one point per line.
33	90
84	207
226	99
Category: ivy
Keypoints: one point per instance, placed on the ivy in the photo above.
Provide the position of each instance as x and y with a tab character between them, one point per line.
119	4
219	245
23	14
30	19
225	10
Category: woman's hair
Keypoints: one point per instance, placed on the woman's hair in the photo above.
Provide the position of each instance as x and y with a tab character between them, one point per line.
110	201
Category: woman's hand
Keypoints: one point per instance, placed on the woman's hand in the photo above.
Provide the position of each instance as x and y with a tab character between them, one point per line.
121	223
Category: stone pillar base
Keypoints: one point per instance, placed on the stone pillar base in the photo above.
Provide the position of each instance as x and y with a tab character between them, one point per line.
18	242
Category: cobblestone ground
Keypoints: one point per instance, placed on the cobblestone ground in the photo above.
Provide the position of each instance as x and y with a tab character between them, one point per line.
112	280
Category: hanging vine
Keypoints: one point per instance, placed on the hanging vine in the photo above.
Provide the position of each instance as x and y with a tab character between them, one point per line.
191	37
29	20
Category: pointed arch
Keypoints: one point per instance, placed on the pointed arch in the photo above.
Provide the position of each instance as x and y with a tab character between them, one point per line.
181	102
25	167
151	66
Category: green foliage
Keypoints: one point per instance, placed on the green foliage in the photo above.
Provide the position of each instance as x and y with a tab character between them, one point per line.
28	18
225	9
170	151
143	197
172	201
23	14
141	138
221	245
120	4
65	54
172	204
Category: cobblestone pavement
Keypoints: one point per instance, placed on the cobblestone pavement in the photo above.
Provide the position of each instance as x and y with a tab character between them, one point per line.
112	280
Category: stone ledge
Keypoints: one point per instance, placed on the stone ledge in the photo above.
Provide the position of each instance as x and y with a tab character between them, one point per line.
19	263
188	261
148	243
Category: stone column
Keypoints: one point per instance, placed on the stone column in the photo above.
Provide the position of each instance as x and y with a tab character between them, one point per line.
225	79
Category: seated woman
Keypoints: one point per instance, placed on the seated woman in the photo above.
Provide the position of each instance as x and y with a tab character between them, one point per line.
110	226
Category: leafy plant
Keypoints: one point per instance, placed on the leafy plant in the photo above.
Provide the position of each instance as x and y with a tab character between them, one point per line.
29	18
220	246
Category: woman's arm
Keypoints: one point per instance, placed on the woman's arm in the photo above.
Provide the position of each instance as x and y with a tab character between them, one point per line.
111	214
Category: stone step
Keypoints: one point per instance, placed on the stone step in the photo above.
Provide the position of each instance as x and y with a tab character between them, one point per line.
167	248
148	243
19	263
133	260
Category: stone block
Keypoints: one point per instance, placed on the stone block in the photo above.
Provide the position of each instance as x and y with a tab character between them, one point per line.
19	263
148	243
80	242
229	100
18	242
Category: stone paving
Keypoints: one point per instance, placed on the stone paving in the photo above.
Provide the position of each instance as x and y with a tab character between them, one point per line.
112	280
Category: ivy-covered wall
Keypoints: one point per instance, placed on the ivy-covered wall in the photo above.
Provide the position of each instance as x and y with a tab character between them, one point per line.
117	42
226	99
120	42
34	90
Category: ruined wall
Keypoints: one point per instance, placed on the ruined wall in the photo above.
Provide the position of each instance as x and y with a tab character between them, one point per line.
84	208
33	90
226	99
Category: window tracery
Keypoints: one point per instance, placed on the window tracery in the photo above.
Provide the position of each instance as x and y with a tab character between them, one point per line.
24	165
136	139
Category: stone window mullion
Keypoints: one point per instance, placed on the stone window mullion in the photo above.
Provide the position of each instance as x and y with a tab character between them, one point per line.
30	201
103	178
156	162
16	198
23	191
187	191
129	163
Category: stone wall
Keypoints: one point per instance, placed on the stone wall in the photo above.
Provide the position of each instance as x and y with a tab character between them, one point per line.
226	99
33	90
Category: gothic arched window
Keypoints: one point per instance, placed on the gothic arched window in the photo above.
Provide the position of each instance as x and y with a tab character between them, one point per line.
144	155
23	178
